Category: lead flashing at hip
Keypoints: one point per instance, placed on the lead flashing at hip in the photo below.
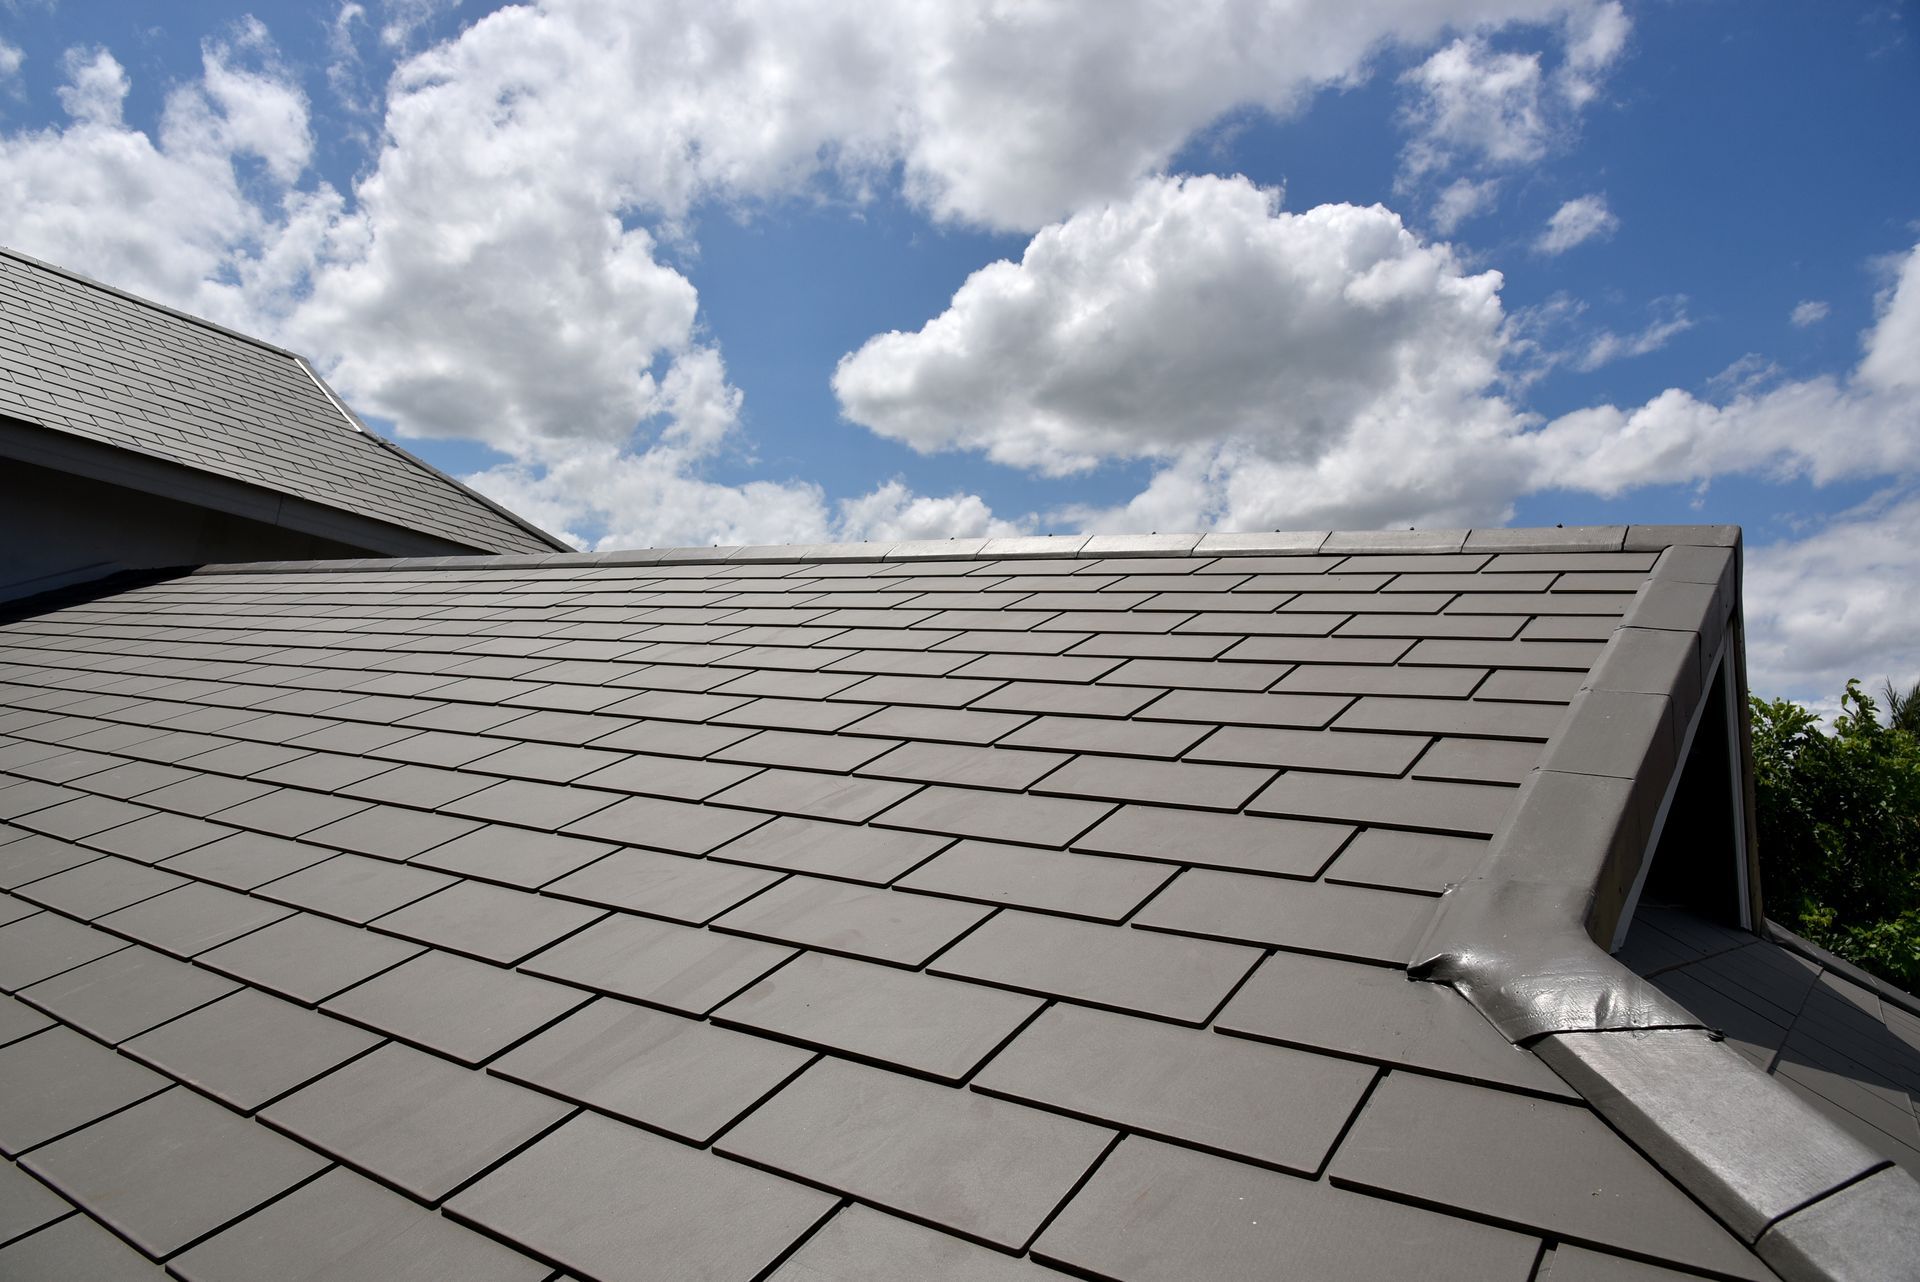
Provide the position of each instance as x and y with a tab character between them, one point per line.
1693	1105
1864	1232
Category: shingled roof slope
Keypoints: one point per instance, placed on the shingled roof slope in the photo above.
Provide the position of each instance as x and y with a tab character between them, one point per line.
986	910
90	362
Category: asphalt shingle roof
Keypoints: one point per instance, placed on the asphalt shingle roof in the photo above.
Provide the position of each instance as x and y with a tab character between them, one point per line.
733	915
91	362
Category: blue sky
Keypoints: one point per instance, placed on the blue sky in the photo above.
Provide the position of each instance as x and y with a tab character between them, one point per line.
739	271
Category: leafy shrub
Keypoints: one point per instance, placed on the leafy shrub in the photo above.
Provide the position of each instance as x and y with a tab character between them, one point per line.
1839	819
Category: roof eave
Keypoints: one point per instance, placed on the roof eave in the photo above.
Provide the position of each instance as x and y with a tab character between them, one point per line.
28	442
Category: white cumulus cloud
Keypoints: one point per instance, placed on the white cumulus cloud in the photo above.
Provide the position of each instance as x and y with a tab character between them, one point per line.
1809	312
1461	200
1283	366
1329	368
1193	312
1578	221
1669	319
1475	105
1837	603
1480	106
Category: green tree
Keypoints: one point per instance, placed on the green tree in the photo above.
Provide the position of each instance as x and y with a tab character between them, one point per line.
1839	819
1903	710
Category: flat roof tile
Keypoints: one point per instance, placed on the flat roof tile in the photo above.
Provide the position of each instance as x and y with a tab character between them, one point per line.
1091	886
1250	843
1343	752
860	921
17	1020
955	725
1310	711
57	1080
1174	783
1066	698
173	1168
77	1248
98	888
25	1205
1266	1104
861	1244
1465	809
529	804
981	1167
414	1120
125	993
658	963
663	1071
245	860
390	832
307	957
569	1198
513	856
804	751
493	923
349	1229
1165	976
937	1027
157	836
1347	921
678	826
83	817
355	888
248	1048
1422	861
1100	734
35	947
964	812
190	919
674	777
465	1009
1151	1204
32	856
675	887
846	851
964	765
1456	716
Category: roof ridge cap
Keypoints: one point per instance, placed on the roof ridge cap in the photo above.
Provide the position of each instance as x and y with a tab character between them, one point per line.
1490	539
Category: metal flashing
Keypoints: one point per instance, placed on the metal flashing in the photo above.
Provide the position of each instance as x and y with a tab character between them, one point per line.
1525	936
1861	1233
1571	538
1403	541
1279	543
1693	1106
1527	940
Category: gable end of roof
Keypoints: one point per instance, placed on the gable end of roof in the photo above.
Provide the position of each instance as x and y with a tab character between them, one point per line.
1528	939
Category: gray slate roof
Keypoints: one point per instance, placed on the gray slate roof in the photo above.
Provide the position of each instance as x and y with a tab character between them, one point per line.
1018	910
89	361
1836	1038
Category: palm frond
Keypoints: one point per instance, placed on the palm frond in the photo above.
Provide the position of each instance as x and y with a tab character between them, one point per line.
1903	710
